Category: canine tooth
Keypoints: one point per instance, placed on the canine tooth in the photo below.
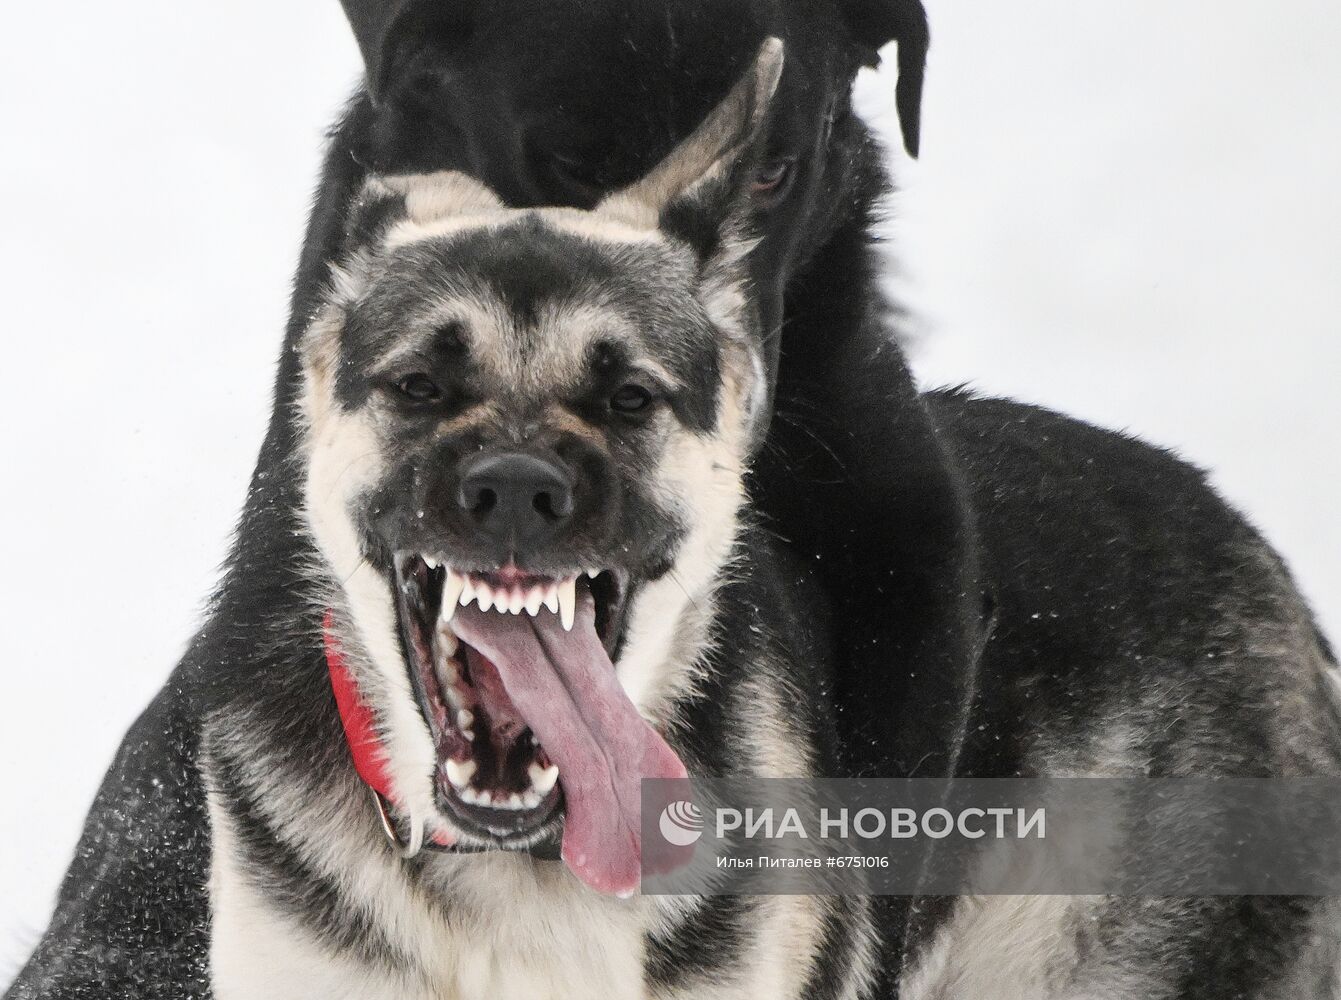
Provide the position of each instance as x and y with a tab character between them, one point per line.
485	596
552	598
459	773
543	778
465	718
568	603
452	589
534	597
516	601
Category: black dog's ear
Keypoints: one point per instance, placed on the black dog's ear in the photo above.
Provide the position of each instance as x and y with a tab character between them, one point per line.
875	23
713	156
395	35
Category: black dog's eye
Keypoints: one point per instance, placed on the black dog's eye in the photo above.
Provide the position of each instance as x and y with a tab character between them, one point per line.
630	399
773	177
419	388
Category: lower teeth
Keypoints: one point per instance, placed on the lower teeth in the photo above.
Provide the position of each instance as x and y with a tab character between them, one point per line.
543	780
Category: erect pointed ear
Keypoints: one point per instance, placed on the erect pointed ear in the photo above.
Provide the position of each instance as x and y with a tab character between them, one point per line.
442	195
417	199
875	23
405	38
713	154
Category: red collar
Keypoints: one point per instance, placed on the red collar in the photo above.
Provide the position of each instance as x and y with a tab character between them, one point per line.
364	745
357	717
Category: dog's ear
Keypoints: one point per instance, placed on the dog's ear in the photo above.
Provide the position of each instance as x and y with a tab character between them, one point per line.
875	23
402	39
438	196
418	199
387	201
710	167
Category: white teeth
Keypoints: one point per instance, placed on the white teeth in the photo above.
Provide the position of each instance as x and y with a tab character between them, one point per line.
542	778
533	598
568	603
465	719
452	590
560	597
515	802
430	562
459	773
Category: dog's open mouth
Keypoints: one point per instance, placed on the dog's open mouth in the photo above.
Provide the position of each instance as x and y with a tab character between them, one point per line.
514	676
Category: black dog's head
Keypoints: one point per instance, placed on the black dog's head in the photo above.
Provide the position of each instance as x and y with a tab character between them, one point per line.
526	435
561	102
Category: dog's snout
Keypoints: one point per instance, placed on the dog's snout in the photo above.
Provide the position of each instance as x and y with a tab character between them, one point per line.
516	498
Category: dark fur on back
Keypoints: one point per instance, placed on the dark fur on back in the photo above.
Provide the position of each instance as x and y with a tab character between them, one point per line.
1008	581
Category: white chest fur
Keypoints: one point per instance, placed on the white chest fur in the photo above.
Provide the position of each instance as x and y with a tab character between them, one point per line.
509	937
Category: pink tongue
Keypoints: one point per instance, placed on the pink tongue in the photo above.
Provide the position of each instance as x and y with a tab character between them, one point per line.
565	686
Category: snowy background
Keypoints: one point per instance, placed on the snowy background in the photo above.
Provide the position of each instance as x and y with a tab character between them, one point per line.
1126	209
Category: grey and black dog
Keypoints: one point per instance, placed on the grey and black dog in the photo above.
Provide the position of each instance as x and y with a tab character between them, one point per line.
522	515
526	436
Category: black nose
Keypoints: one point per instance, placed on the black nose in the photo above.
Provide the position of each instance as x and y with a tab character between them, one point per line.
516	498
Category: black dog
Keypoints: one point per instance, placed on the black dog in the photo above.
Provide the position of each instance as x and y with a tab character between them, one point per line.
1013	588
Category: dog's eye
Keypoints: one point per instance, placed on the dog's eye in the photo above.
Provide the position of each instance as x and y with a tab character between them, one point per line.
773	178
630	399
419	388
